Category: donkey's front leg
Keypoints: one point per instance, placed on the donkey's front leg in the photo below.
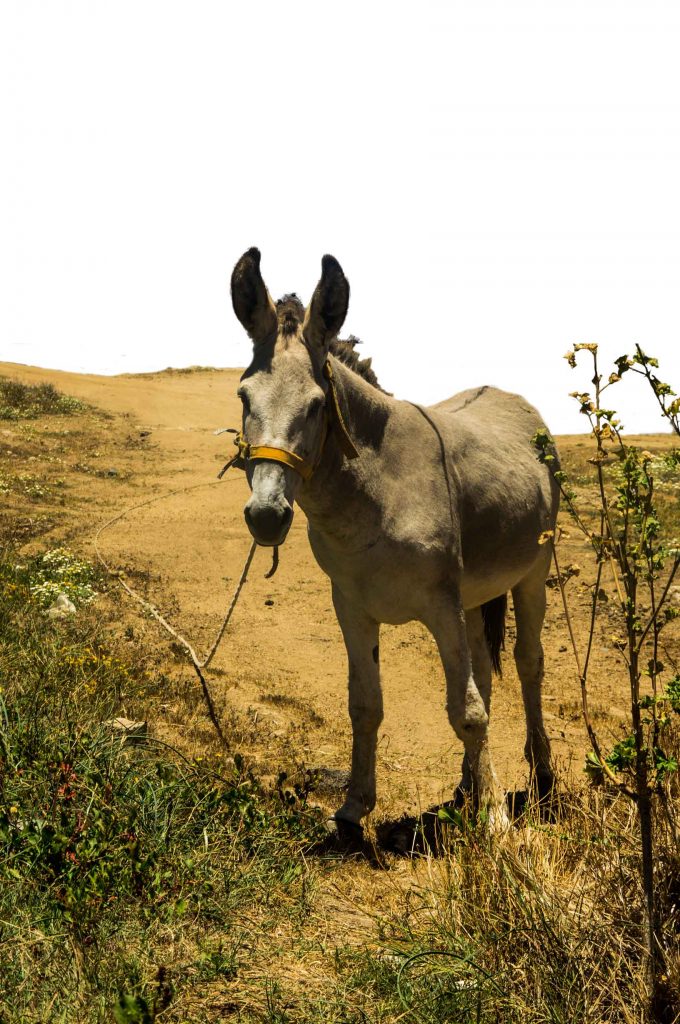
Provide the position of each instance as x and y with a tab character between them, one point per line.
365	705
466	706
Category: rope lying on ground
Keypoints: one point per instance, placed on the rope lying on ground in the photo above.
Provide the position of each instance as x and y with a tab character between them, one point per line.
195	661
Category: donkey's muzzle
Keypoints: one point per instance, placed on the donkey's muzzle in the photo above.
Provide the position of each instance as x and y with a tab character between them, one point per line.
268	523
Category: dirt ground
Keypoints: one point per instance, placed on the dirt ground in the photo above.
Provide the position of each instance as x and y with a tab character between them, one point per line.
282	665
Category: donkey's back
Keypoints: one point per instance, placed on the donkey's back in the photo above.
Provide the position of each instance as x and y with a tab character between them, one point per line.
506	497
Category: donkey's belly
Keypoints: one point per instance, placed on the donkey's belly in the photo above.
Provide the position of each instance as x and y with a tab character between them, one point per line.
477	590
397	583
487	572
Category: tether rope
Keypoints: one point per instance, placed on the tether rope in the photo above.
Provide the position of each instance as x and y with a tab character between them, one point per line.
199	665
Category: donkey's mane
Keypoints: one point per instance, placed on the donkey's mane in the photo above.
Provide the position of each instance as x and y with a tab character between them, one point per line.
290	313
344	349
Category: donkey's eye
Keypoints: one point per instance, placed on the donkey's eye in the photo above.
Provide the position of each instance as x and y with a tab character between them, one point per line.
245	401
314	408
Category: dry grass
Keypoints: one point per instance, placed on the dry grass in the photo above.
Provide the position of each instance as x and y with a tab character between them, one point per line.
540	925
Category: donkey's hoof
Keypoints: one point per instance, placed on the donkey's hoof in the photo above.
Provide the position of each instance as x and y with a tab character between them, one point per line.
348	834
547	797
544	786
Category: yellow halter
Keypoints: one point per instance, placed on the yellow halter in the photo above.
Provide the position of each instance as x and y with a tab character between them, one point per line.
332	418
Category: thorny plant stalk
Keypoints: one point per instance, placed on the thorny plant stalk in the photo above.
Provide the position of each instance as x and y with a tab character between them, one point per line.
627	538
583	670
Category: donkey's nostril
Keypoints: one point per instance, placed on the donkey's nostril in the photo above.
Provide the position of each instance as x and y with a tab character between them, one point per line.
268	523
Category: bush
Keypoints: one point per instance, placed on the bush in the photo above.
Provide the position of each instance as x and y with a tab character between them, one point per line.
27	401
58	571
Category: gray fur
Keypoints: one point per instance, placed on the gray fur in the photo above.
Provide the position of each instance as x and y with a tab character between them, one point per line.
395	544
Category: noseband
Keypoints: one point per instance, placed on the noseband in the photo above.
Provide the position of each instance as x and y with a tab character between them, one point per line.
332	419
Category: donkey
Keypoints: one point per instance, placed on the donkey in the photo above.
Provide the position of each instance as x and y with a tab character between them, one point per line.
414	514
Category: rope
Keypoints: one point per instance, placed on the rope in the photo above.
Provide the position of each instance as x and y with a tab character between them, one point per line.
195	661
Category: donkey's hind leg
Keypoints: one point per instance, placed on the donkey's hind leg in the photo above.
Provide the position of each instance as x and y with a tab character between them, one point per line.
530	602
481	673
361	635
466	707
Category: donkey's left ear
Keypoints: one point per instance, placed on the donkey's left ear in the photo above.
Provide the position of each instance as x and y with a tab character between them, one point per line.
327	310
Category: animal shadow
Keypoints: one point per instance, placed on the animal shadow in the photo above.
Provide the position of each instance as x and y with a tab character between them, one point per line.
433	831
347	841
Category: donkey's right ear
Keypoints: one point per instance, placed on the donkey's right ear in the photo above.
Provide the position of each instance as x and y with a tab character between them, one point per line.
327	311
251	300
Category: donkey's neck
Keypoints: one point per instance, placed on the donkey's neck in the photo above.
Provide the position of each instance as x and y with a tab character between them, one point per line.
339	485
364	407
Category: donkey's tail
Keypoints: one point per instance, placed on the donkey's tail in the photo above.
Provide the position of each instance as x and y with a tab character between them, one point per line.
493	614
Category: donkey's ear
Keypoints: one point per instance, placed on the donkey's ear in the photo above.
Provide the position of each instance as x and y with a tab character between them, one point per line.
328	308
251	300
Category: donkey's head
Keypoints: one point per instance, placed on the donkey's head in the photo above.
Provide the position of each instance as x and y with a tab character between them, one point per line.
284	389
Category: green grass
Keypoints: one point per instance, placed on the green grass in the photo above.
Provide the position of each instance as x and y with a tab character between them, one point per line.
115	859
27	401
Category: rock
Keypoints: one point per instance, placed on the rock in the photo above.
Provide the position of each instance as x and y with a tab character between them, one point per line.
128	730
330	780
112	472
62	608
674	597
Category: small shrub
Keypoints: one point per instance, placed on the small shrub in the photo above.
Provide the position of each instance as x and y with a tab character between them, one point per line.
628	534
27	401
60	572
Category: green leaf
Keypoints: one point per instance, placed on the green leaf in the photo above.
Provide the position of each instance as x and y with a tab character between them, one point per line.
132	1010
450	816
672	693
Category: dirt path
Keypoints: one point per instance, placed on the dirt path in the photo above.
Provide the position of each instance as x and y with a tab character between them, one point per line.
283	663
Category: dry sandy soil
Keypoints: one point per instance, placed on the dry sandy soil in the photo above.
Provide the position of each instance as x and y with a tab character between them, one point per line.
282	665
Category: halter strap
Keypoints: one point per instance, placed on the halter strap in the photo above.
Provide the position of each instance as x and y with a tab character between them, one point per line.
263	451
304	467
335	412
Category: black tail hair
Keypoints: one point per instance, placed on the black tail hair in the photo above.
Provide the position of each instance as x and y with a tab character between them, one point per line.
493	614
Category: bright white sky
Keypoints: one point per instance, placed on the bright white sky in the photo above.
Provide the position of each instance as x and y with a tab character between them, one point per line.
498	179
